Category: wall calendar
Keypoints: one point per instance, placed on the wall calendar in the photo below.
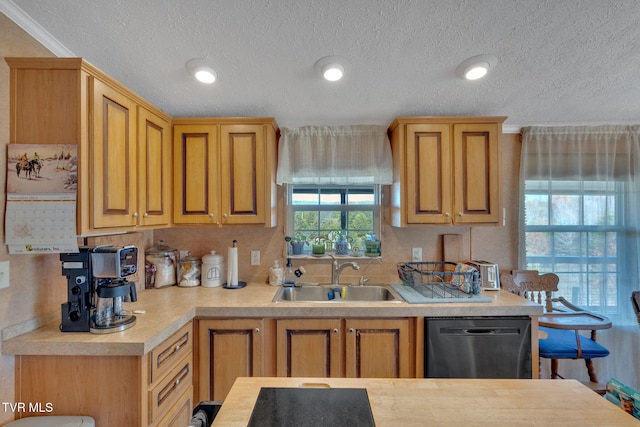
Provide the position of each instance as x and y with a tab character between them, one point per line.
42	183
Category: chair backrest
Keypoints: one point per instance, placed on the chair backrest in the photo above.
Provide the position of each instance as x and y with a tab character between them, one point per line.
635	301
531	285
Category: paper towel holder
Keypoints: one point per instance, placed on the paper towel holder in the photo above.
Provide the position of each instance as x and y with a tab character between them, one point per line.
227	285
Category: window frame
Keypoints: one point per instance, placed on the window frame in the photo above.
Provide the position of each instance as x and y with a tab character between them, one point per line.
292	208
582	260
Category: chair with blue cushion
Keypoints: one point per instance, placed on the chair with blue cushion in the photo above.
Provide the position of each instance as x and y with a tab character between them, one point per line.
563	340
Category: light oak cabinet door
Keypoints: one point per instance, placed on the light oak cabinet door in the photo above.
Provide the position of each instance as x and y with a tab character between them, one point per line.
378	348
228	349
155	169
446	170
196	174
113	158
242	167
309	348
476	166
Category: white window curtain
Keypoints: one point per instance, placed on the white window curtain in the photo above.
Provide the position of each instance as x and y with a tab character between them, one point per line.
581	185
342	155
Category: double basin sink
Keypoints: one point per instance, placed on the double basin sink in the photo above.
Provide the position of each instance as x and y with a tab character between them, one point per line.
337	293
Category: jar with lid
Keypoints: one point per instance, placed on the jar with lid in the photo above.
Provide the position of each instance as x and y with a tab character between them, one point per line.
161	263
212	270
189	271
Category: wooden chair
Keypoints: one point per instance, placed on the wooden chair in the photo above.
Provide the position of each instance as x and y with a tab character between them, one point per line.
560	337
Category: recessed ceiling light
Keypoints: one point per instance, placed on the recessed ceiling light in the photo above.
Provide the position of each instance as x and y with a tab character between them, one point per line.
332	72
476	67
331	68
201	70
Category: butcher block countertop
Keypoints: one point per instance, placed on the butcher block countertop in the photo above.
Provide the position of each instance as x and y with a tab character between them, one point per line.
168	309
449	402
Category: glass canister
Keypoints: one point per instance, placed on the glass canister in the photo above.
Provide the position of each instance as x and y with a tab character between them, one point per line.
189	271
161	263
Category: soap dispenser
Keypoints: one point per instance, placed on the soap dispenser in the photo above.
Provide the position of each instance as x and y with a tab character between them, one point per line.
291	275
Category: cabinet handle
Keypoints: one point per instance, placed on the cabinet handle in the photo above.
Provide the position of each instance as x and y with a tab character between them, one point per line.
177	348
257	330
224	215
460	214
351	330
136	215
447	214
146	215
335	331
210	215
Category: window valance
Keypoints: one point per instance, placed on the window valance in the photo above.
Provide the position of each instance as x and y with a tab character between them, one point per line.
343	155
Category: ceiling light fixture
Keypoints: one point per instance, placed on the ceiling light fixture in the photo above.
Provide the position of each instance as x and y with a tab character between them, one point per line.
476	67
201	71
331	68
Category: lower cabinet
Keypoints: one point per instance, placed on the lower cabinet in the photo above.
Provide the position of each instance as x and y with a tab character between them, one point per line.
310	348
355	348
151	390
307	347
228	349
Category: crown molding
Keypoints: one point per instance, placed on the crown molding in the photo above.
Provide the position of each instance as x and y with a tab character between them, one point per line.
35	30
511	129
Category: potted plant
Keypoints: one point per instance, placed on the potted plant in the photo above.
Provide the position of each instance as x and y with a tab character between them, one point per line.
297	242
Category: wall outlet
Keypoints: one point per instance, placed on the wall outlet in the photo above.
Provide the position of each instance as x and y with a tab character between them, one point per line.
255	257
416	254
4	274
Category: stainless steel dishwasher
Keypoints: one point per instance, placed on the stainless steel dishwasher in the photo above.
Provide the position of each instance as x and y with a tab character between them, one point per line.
477	347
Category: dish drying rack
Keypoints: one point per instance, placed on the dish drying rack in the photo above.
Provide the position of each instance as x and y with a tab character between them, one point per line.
440	279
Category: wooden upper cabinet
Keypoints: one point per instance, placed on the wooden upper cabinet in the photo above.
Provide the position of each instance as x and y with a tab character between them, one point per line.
196	174
155	169
124	157
113	158
225	171
446	170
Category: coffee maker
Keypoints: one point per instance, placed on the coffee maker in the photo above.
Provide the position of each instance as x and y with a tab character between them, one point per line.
97	288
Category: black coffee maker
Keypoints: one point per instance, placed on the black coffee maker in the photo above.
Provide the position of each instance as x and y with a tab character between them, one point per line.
97	288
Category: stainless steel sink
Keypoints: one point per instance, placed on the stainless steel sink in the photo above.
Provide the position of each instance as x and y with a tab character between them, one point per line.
323	293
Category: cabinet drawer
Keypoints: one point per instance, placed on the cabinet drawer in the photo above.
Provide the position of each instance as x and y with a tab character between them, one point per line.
180	413
168	390
167	354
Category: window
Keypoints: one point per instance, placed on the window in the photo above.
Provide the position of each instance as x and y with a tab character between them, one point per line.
318	210
576	230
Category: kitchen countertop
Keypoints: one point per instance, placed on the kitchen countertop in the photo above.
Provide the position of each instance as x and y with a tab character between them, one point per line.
450	402
168	309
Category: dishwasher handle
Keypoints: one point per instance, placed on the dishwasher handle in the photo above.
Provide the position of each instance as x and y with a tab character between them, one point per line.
480	331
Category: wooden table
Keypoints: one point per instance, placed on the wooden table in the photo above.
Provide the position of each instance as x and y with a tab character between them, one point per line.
451	402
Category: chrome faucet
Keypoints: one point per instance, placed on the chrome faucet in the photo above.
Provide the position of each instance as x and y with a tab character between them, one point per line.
336	269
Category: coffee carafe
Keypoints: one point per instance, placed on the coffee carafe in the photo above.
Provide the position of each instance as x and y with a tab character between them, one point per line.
109	314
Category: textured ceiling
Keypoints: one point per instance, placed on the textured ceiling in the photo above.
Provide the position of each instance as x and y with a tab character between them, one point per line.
559	62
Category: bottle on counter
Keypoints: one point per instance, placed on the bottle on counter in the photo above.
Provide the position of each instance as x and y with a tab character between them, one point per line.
291	276
276	274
